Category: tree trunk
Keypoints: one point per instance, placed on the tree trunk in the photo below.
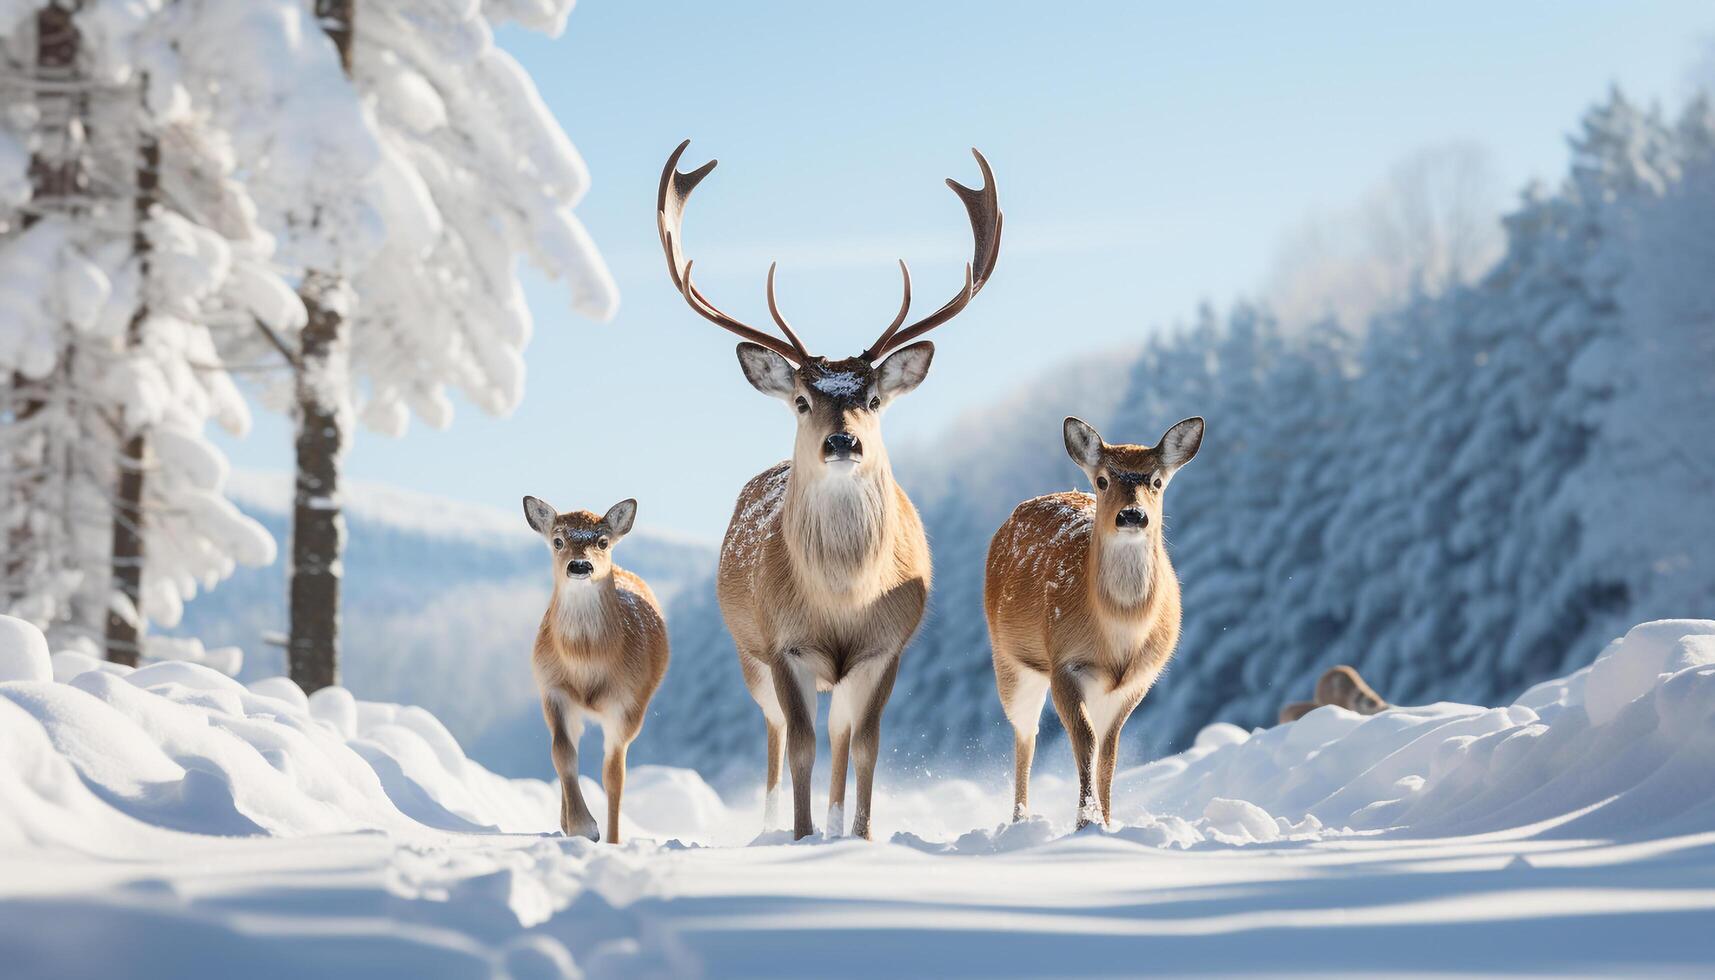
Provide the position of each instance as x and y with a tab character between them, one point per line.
336	18
318	526
123	631
56	174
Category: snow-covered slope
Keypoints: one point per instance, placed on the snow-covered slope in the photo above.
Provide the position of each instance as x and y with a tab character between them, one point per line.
201	825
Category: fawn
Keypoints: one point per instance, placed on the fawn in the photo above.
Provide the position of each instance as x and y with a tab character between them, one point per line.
601	652
1083	604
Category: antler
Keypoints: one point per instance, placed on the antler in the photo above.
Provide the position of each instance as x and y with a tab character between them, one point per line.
670	201
983	205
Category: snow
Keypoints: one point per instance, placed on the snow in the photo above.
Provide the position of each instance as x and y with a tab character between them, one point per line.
23	652
1629	669
211	828
842	384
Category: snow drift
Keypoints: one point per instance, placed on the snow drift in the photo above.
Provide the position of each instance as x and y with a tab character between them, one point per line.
99	760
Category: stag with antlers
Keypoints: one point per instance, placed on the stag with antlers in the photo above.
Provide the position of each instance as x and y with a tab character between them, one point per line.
824	571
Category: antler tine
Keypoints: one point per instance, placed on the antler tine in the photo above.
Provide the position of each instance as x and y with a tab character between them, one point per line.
701	305
983	207
670	198
786	328
904	308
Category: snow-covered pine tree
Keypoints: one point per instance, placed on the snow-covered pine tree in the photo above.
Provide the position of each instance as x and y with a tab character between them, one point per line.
477	175
1655	429
130	245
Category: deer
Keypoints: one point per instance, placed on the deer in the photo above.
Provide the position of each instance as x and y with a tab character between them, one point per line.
1341	685
600	652
1083	605
824	570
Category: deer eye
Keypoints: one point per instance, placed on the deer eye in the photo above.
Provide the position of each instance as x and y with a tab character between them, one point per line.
803	405
874	403
558	544
601	545
1101	483
1158	483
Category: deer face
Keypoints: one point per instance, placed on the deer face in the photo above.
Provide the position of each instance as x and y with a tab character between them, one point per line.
581	541
838	404
1129	480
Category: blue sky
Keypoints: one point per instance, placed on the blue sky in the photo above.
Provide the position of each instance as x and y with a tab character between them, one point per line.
1149	156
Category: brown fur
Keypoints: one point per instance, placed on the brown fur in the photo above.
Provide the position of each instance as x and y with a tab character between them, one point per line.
823	578
600	653
1341	686
1084	612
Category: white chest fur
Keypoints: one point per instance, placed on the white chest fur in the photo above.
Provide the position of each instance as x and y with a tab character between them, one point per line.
837	530
1125	576
1127	565
582	610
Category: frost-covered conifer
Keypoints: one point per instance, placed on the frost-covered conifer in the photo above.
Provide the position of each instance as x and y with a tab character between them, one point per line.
463	173
128	246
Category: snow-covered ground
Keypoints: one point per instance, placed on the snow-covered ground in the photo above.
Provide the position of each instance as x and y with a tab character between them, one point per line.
172	822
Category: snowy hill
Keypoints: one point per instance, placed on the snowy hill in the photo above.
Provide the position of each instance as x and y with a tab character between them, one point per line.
441	604
1454	499
200	825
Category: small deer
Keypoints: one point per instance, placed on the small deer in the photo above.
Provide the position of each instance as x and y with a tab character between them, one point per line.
1083	605
601	652
824	570
1341	685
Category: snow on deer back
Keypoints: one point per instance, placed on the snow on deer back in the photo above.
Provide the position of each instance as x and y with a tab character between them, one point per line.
1082	603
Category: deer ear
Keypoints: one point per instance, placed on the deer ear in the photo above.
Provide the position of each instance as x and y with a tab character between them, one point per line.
539	513
904	369
766	371
1181	442
620	517
1083	443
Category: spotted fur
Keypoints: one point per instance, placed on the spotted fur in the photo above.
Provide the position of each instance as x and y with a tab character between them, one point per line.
1083	606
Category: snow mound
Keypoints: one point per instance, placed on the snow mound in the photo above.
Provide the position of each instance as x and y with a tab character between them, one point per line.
183	747
23	652
1618	749
109	760
1630	667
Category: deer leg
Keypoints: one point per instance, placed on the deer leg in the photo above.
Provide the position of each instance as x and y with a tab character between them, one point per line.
841	746
1021	695
876	677
613	785
616	739
566	725
841	709
795	686
1069	704
776	762
1109	759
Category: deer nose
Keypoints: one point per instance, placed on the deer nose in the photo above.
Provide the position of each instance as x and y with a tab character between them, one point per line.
1131	517
840	444
579	568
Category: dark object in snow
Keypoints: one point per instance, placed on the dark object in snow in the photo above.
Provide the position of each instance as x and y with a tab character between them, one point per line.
1341	686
